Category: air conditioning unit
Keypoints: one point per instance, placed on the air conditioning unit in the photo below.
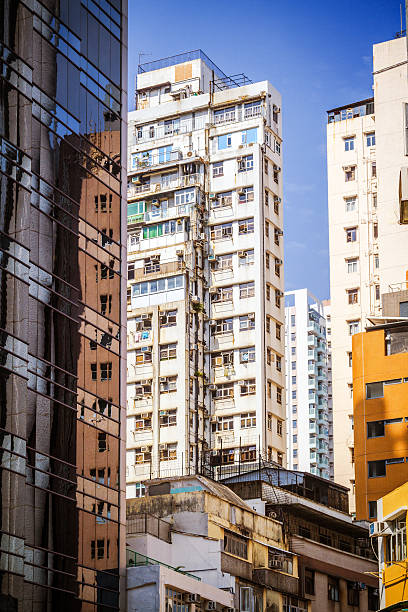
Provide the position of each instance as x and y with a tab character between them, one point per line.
279	261
179	252
279	232
163	379
211	257
241	192
155	257
277	199
213	290
144	349
242	253
240	158
156	202
144	316
251	316
193	597
202	236
179	221
195	299
212	387
162	446
144	449
145	415
379	528
213	322
211	605
136	180
277	168
212	196
241	382
194	347
241	146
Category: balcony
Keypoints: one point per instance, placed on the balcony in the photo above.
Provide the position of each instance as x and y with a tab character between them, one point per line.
147	523
152	161
313	327
311	340
136	191
153	269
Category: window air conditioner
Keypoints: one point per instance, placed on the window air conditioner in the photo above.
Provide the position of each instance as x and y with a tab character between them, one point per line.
212	387
242	253
155	257
213	196
162	446
145	415
195	299
241	382
379	528
240	158
144	449
211	257
213	290
213	322
156	202
179	252
163	379
202	236
144	349
251	316
241	192
143	382
144	316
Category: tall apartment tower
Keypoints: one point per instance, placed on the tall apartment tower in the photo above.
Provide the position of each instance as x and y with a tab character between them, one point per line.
327	316
368	224
306	384
63	245
205	274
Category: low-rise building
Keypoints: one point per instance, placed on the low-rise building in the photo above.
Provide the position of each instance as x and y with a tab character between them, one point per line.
336	566
202	527
391	530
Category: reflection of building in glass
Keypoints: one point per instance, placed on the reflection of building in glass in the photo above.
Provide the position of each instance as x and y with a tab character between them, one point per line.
60	320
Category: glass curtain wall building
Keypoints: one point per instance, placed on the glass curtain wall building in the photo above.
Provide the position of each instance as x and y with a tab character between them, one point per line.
62	371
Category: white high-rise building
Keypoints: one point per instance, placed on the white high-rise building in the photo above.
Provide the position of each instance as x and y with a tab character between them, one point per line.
205	274
367	143
327	316
306	384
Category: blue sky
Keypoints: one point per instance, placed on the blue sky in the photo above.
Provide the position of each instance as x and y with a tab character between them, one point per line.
318	54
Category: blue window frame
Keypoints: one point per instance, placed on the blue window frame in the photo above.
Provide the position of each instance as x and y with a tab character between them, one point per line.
248	136
224	141
370	139
349	144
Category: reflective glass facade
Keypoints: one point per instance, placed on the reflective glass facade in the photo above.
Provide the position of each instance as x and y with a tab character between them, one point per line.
62	374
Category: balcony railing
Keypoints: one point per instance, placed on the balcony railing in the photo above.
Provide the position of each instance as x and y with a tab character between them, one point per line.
135	559
146	523
157	268
150	161
140	191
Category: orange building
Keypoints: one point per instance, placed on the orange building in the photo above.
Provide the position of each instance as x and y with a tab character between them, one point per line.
380	398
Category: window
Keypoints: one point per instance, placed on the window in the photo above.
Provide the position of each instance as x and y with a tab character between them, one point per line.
279	427
293	380
224	294
267	228
293	365
218	169
294	424
373	599
278	296
349	144
295	453
370	139
354	327
248	420
131	271
293	394
143	454
221	232
309	581
169	452
278	331
157	286
269	421
223	326
276	201
143	389
246	258
106	371
279	395
372	509
350	174
140	490
352	296
168	384
350	359
266	197
224	423
268	324
235	545
333	588
94	371
247	322
248	453
247	354
396	543
220	360
245	163
278	263
246	226
224	391
279	458
373	169
168	318
266	166
278	363
223	262
376	262
248	387
246	290
227	456
224	115
268	291
294	437
375	429
168	351
249	136
168	418
252	109
353	595
292	320
376	469
351	234
276	233
352	265
246	194
143	421
98	549
143	355
374	390
375	231
185	196
268	355
224	141
351	204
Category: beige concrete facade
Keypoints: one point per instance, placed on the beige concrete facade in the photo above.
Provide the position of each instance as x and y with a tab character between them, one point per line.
367	149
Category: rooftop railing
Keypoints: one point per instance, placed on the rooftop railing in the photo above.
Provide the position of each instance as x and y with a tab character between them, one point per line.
146	523
135	559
